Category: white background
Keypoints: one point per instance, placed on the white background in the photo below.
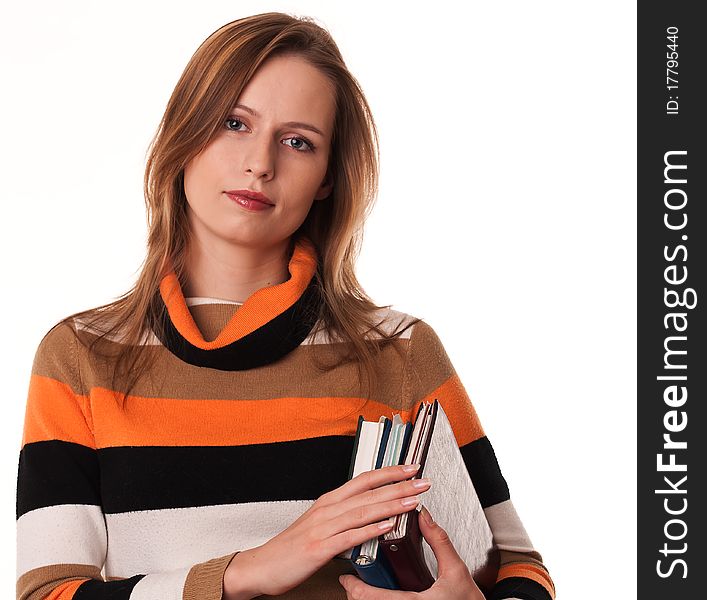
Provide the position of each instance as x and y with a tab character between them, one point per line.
505	218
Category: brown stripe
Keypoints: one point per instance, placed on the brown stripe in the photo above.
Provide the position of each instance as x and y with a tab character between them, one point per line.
56	357
428	363
294	374
321	585
38	583
509	557
205	580
212	318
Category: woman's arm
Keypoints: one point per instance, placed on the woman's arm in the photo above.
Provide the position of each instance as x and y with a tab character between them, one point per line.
429	374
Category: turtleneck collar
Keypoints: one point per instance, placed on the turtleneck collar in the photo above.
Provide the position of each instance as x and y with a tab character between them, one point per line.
272	321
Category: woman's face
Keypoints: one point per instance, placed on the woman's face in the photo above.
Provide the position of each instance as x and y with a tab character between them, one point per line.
276	142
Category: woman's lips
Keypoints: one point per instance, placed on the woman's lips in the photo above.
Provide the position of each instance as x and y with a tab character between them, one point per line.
248	203
255	195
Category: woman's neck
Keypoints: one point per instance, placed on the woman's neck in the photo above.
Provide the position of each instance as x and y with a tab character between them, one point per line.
237	275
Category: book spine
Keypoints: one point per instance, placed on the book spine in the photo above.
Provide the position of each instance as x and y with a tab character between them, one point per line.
384	442
406	443
357	437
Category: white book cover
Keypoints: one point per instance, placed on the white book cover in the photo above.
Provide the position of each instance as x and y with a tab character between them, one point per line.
455	506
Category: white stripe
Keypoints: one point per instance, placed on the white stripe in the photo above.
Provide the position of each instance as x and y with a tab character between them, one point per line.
196	300
67	533
508	530
163	540
161	586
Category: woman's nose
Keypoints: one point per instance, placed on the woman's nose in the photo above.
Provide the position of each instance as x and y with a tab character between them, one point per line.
260	157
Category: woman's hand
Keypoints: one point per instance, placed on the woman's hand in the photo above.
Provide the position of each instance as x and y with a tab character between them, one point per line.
337	521
454	581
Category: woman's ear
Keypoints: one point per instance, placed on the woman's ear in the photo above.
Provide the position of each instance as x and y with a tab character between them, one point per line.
325	188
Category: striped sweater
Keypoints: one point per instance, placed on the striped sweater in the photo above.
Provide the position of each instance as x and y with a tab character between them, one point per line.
229	438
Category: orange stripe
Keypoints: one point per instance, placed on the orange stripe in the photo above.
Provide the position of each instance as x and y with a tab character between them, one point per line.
459	410
178	422
65	591
260	307
55	412
529	571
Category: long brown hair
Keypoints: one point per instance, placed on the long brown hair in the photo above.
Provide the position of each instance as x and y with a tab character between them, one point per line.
203	97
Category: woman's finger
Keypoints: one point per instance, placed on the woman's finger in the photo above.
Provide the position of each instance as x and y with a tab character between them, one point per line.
359	525
447	557
379	503
367	481
360	590
336	544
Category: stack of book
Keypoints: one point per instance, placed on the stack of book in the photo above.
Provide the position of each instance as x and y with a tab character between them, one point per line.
400	559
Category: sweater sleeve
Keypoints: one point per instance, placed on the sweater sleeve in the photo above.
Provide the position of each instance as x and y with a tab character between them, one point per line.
430	375
61	530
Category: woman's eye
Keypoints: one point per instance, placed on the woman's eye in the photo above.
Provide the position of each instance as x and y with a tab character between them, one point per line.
299	144
232	119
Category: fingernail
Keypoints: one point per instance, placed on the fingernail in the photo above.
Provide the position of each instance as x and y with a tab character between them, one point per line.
411	468
421	483
410	501
427	516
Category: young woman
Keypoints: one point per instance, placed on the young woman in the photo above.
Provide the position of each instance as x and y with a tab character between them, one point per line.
192	439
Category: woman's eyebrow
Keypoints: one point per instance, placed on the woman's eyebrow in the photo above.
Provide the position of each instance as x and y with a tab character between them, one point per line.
299	124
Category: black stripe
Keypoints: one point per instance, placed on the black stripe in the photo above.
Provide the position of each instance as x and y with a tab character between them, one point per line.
519	587
152	477
56	472
155	477
120	589
265	345
148	477
481	462
144	478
